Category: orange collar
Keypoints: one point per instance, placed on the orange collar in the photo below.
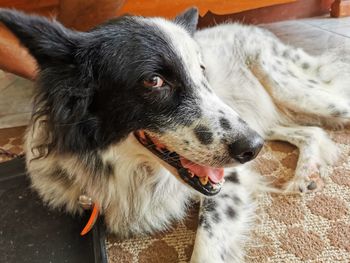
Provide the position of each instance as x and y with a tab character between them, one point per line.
92	220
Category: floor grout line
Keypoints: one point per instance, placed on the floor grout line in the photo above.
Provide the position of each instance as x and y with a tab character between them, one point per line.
325	30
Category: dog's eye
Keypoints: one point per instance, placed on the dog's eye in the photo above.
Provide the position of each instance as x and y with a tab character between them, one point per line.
202	67
154	82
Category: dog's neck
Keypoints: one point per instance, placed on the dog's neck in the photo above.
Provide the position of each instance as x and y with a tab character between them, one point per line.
144	192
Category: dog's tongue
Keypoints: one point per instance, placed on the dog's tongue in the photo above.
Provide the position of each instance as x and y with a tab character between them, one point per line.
215	174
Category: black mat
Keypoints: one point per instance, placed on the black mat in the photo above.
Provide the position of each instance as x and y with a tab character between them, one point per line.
30	232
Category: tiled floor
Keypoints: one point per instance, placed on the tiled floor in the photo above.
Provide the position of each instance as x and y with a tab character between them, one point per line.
315	35
15	97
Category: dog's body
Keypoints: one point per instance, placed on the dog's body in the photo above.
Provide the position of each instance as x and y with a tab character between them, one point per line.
259	78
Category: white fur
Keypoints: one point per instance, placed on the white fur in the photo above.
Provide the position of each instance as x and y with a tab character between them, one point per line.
276	87
247	70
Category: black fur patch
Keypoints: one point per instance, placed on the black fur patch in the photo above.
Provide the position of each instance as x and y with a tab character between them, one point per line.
109	168
209	205
313	81
204	222
232	178
225	124
216	217
203	134
224	196
286	54
60	175
230	212
305	65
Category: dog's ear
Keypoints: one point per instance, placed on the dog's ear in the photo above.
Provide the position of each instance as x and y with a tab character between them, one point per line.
188	19
47	41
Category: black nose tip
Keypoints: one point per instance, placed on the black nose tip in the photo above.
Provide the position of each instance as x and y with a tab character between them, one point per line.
246	149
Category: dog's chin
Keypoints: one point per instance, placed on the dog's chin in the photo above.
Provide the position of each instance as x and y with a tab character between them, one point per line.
204	179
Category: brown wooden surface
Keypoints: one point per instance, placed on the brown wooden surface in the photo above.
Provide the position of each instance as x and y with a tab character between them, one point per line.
169	9
84	14
340	8
28	5
295	10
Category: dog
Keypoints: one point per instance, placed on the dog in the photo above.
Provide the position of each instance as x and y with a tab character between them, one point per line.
145	115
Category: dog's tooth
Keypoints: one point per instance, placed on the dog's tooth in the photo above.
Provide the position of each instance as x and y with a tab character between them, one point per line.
191	173
204	180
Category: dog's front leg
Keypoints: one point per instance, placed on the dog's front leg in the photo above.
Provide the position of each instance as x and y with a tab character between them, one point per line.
224	221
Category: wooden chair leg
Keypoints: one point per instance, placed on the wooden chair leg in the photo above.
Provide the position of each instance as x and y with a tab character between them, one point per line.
340	8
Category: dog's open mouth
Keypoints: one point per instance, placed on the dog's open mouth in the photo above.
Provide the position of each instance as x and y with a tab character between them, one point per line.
207	180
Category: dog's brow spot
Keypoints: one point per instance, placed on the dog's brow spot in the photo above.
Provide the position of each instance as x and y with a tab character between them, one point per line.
203	134
225	124
305	65
221	112
230	212
232	178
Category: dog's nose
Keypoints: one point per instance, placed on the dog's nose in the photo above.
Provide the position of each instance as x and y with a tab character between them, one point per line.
247	148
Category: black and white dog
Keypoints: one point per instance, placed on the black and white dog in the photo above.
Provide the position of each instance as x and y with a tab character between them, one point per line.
133	110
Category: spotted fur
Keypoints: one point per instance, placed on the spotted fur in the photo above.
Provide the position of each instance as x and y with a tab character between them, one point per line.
224	86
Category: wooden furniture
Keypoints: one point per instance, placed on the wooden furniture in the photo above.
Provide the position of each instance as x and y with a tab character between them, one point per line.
84	14
340	8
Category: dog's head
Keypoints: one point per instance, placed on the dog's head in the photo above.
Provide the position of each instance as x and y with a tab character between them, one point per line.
135	75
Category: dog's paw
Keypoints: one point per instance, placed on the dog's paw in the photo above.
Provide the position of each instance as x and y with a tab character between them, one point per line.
308	178
304	185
